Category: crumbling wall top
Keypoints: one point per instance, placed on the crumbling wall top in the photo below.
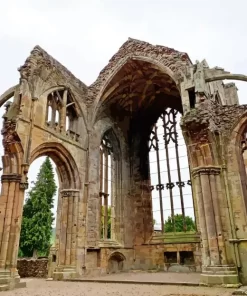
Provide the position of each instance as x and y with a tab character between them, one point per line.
40	63
176	61
214	117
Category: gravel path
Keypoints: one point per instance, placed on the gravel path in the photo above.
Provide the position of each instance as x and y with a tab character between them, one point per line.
164	277
40	287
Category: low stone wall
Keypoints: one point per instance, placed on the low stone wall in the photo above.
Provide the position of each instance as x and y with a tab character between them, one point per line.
29	267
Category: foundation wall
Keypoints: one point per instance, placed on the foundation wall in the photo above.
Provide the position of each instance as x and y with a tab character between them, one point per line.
159	257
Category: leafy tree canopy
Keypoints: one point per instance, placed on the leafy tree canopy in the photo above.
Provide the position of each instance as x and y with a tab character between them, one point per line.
178	223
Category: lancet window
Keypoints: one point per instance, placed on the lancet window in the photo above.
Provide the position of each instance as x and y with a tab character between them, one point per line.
107	188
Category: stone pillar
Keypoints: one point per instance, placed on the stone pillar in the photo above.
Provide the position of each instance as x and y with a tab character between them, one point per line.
202	220
215	188
209	217
68	204
215	270
11	207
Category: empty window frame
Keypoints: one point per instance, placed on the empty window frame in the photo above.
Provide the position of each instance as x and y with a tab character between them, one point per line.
172	200
107	188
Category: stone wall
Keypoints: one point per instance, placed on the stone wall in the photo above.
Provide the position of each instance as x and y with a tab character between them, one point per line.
32	267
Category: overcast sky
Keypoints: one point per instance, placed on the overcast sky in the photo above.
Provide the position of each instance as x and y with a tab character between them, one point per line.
83	35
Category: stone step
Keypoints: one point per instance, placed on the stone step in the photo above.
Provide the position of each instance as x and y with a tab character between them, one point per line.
4	287
217	269
4	280
220	272
4	273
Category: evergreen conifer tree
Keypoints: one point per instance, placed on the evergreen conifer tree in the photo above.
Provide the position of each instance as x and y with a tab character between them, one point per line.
36	229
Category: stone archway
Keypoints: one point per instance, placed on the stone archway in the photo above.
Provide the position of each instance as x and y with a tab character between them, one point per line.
168	61
68	198
67	168
116	262
26	136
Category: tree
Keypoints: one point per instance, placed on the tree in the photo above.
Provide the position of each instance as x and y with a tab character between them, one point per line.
178	223
36	229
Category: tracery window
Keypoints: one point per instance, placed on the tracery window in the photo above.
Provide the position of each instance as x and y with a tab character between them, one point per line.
54	105
61	113
172	199
107	188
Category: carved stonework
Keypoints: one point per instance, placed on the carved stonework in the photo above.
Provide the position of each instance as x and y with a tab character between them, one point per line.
40	68
24	185
211	118
210	170
65	193
68	192
10	136
174	60
11	178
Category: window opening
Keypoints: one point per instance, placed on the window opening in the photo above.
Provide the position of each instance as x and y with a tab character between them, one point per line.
172	200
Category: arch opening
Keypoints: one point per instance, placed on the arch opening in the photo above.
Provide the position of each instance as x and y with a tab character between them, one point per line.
116	262
138	97
40	209
134	87
66	166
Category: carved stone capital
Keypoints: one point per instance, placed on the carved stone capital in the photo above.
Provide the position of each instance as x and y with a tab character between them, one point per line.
208	170
11	178
103	194
24	185
69	192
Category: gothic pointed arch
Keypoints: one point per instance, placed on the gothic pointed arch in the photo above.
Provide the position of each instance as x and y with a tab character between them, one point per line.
166	60
66	165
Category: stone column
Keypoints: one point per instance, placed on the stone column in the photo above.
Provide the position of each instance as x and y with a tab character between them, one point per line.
11	207
215	184
202	220
209	217
58	222
63	227
74	228
67	235
215	270
63	112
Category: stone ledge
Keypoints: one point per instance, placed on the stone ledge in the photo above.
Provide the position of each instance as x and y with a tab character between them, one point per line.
110	244
64	273
220	280
10	281
133	282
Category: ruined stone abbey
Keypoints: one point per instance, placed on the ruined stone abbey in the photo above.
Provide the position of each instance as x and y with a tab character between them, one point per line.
155	144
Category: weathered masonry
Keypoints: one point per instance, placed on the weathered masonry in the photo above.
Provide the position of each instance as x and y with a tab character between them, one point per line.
151	160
